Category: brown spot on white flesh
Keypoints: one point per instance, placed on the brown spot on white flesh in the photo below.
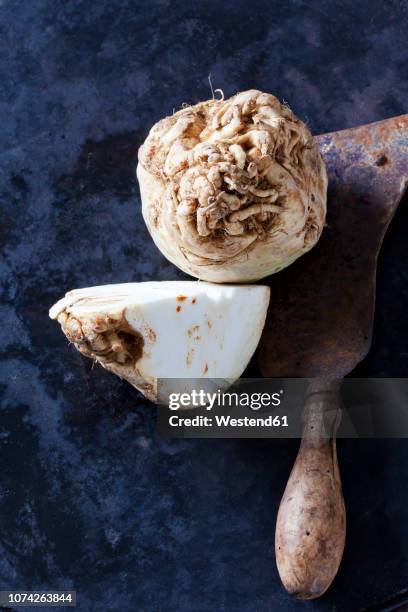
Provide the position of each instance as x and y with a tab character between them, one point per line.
189	358
181	298
205	368
178	308
193	301
151	334
193	331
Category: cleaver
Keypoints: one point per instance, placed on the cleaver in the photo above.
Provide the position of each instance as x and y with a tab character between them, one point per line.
319	327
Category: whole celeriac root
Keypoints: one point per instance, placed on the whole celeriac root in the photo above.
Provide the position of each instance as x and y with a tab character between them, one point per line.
233	190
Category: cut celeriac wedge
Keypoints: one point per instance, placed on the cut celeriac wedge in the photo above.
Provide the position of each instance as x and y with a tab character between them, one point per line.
144	332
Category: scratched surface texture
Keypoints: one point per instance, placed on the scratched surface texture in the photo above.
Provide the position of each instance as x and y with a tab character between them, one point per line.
90	498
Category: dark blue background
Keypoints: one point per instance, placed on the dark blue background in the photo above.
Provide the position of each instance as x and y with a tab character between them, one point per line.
90	498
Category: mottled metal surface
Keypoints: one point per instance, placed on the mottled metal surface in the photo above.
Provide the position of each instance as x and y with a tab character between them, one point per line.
321	311
90	497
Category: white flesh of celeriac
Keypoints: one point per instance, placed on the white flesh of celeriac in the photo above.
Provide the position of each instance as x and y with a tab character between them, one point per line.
144	332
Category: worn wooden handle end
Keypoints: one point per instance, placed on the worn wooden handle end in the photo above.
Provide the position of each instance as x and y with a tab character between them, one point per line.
311	523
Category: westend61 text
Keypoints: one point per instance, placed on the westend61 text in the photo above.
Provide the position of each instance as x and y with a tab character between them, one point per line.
228	421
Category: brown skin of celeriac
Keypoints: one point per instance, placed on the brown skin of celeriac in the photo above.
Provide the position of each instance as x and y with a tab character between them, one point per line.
112	342
232	190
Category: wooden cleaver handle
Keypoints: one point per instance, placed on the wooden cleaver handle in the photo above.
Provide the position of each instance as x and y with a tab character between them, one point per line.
311	523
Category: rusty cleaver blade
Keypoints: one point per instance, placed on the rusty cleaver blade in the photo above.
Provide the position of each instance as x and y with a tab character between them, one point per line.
321	311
